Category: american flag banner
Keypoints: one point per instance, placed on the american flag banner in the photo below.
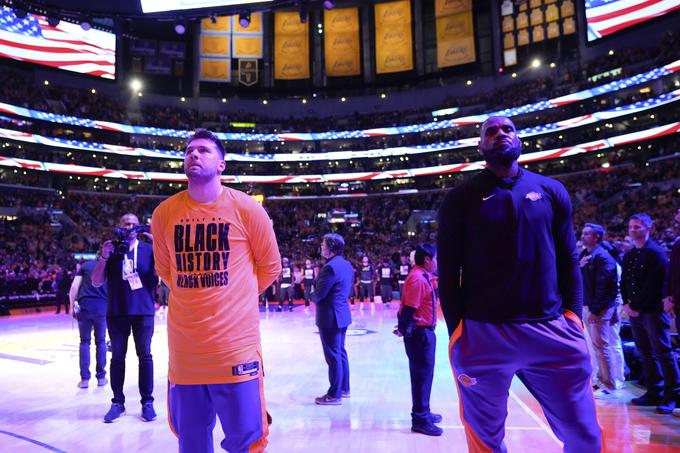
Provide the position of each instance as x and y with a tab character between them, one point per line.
665	99
597	145
66	46
605	17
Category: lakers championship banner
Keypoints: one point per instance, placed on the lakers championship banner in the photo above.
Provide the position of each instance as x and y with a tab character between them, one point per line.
215	50
215	69
291	47
455	33
253	28
341	42
222	24
393	39
446	7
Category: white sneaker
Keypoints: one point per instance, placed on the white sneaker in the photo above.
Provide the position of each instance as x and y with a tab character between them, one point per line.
676	412
604	394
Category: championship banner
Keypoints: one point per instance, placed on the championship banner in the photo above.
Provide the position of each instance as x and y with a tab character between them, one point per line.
222	25
215	45
393	39
215	70
447	7
254	27
291	47
341	42
455	40
246	46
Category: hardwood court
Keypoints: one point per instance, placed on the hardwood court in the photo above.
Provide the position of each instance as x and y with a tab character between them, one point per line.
42	410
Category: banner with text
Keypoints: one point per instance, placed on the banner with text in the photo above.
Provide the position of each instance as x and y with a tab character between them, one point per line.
455	33
393	39
341	42
291	47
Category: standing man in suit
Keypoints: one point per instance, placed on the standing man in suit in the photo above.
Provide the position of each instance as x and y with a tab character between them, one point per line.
332	316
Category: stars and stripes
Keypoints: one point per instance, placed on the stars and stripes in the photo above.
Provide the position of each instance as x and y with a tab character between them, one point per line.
597	145
605	17
66	46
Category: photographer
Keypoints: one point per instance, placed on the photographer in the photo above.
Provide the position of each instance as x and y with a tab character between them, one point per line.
126	266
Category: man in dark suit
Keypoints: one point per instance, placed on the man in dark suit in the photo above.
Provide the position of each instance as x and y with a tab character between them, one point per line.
333	316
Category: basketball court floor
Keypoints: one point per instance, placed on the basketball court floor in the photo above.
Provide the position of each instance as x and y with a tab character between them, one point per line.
42	410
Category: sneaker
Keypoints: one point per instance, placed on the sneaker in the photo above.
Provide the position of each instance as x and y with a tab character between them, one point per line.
666	407
436	418
676	412
646	400
117	409
148	413
84	383
326	400
279	308
429	429
345	395
604	394
290	308
102	381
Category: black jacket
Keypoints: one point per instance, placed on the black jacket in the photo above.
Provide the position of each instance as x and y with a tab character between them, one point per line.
644	277
600	284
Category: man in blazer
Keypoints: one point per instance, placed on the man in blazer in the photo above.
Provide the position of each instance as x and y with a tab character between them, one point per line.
333	316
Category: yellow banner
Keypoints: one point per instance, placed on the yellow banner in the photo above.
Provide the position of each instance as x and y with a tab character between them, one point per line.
218	70
222	24
446	7
255	26
341	42
455	40
291	47
247	46
393	39
215	45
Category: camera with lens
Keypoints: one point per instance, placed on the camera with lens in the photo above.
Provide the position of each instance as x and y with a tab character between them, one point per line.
123	236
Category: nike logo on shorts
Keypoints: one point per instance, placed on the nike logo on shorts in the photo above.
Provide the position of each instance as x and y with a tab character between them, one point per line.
486	198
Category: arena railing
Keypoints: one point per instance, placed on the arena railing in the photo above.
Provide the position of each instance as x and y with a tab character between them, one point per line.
593	146
367	133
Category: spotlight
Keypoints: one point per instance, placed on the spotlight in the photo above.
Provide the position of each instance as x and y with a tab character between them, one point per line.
180	28
136	84
536	63
213	18
53	21
328	4
85	24
304	14
244	19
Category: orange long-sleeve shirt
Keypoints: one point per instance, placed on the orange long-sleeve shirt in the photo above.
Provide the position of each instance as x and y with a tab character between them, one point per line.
215	258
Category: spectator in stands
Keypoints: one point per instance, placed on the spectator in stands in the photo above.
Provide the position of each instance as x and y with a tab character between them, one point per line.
88	305
642	288
129	275
600	287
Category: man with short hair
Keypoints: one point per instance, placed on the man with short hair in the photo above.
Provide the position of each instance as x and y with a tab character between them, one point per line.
600	288
285	285
643	286
333	316
308	278
417	321
128	272
510	291
215	249
386	276
366	280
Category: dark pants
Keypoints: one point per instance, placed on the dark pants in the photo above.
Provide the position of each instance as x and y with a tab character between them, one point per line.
651	332
119	332
366	290
62	299
420	349
308	291
333	343
286	294
86	323
386	293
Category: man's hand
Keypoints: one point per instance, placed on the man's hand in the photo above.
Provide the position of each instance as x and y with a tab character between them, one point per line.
107	249
630	312
669	306
584	261
149	236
